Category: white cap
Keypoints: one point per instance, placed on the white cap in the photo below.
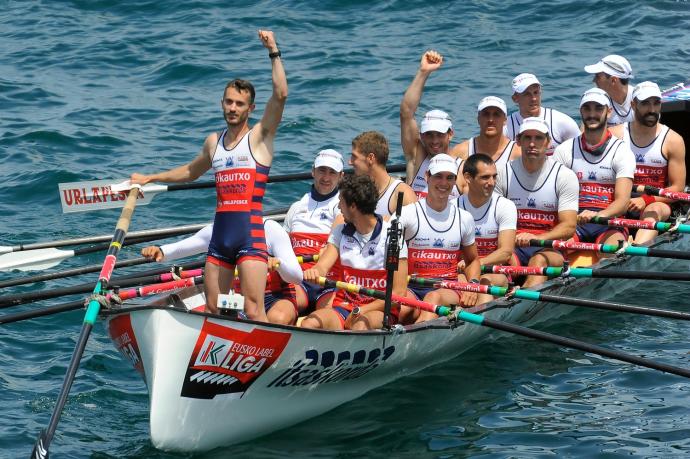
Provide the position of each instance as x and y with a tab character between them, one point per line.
645	90
524	81
492	101
437	121
329	158
536	124
613	65
442	163
595	95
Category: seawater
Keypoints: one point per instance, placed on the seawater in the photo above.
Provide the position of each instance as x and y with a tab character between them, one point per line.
98	89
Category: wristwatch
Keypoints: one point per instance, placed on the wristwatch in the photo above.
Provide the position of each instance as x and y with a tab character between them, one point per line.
356	311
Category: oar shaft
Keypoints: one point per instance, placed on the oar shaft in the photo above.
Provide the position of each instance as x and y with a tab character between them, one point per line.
571	343
17	316
677	195
638	224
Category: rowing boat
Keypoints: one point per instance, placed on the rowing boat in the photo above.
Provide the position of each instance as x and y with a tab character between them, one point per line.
215	381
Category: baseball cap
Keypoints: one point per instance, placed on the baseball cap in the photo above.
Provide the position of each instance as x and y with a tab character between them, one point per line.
524	81
613	65
595	95
536	124
442	163
329	158
645	90
492	101
437	121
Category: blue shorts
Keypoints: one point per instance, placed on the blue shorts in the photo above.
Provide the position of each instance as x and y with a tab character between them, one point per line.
593	232
287	293
314	293
523	254
420	291
237	236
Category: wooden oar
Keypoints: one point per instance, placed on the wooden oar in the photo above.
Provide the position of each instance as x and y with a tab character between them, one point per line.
41	448
478	319
29	297
539	296
103	238
641	224
144	290
653	191
110	193
46	258
36	260
584	273
611	248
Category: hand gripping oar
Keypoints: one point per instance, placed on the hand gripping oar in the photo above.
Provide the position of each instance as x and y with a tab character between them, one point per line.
539	296
662	227
144	290
110	193
611	248
41	448
653	191
584	273
29	297
478	319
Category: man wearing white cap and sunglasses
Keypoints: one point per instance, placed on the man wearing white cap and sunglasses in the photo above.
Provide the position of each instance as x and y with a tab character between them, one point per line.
439	235
434	133
612	74
527	95
604	166
659	154
492	114
545	193
309	222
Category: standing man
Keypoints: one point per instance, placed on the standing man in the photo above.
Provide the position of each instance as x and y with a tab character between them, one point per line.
309	222
360	243
491	117
527	96
545	194
438	237
241	157
369	157
495	217
604	166
420	144
612	74
659	153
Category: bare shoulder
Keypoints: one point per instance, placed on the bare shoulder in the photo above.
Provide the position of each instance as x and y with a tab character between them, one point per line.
516	152
674	143
617	131
460	150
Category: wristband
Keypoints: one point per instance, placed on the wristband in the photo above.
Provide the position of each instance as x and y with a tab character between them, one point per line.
648	199
274	55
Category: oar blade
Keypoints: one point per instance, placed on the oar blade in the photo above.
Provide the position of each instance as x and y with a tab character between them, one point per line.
98	194
33	260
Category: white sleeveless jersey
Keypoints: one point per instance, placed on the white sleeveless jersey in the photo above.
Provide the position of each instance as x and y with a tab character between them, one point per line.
382	206
561	127
496	215
540	196
621	113
309	222
435	239
597	174
363	260
421	188
652	165
240	179
503	158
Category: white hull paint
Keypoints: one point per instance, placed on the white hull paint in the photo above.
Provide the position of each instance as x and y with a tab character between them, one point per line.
209	386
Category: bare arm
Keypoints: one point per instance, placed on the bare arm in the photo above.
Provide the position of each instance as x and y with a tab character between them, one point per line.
675	152
621	197
262	142
460	150
409	131
408	197
565	229
326	261
502	254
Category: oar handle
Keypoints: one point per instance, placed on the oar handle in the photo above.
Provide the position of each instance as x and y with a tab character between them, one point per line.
654	191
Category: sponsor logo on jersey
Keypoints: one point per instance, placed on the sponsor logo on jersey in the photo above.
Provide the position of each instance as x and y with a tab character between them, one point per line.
531	202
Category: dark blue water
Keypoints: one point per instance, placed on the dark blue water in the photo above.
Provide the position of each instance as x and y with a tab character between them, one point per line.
98	89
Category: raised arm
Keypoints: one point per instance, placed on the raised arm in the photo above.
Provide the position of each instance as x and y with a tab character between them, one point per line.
262	142
409	131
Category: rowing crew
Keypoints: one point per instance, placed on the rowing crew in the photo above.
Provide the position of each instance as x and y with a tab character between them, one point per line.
544	193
